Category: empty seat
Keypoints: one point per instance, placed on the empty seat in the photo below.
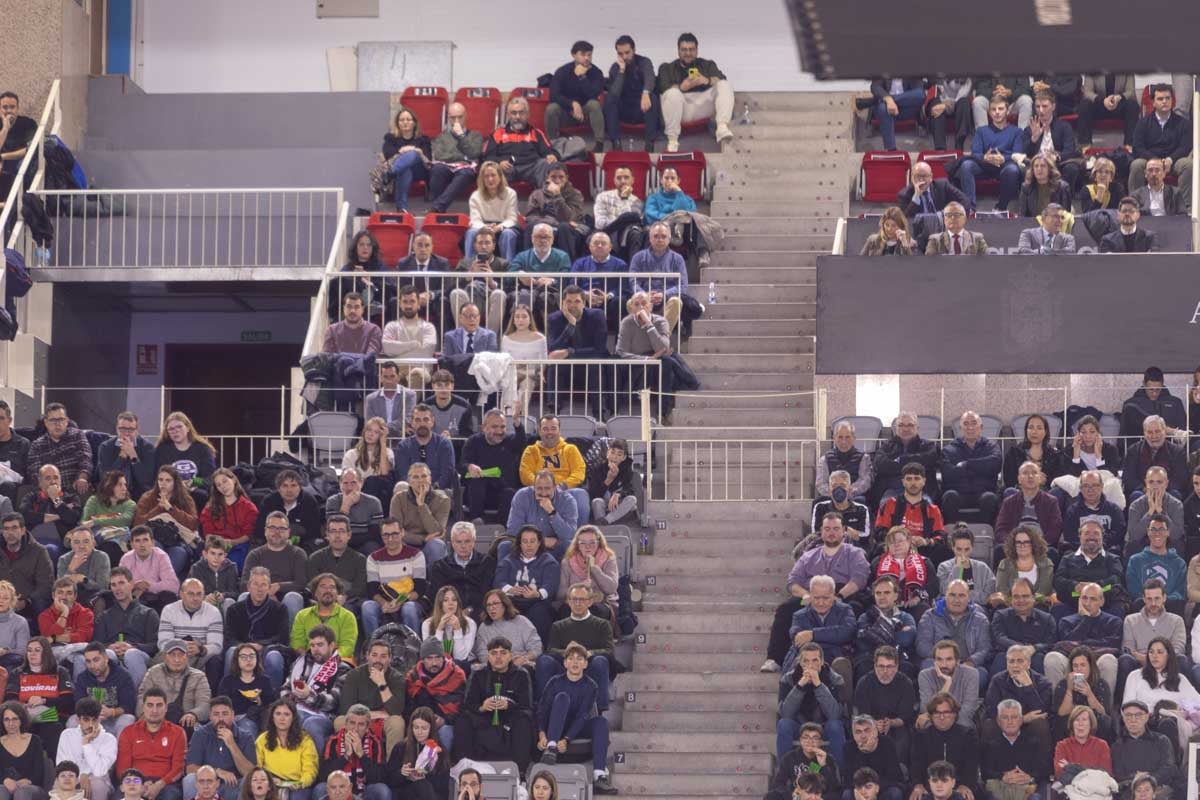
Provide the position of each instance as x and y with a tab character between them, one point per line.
692	169
938	159
486	534
393	230
538	98
882	175
991	426
866	431
333	433
447	231
577	425
637	163
483	107
428	103
929	428
582	173
1110	428
1054	425
982	549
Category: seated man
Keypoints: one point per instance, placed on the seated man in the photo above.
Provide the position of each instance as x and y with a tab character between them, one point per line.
1060	147
482	290
69	625
339	558
693	88
1107	96
1156	500
14	449
867	749
132	455
523	153
1047	239
809	758
64	446
221	746
970	466
1151	622
1022	624
890	698
91	748
17	133
199	625
355	754
1047	514
845	455
1016	91
630	97
980	580
547	507
946	739
951	102
643	335
155	747
128	628
431	292
422	512
955	239
183	686
1157	198
315	684
896	99
575	91
468	337
830	623
537	292
1166	136
607	295
1019	682
391	569
885	625
924	195
451	413
109	685
906	446
961	621
1140	750
916	512
372	700
587	629
438	683
1013	753
846	565
812	694
353	334
1091	563
992	152
1153	398
407	337
298	506
665	294
327	613
455	152
490	464
618	212
155	583
563	460
1154	449
50	513
947	676
577	331
425	447
1092	506
467	570
261	620
1129	238
855	515
286	562
1092	627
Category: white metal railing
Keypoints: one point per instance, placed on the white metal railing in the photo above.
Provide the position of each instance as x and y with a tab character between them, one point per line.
722	470
191	228
318	316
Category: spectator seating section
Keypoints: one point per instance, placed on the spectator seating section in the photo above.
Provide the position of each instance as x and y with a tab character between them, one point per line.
538	98
992	426
882	175
867	431
483	107
938	159
583	174
447	230
929	428
577	425
638	163
428	103
503	785
394	231
983	549
573	779
692	168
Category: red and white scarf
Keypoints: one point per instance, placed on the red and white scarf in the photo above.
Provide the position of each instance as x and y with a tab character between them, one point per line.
910	571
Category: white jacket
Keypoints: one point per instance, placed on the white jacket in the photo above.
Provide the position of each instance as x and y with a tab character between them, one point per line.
1091	784
494	372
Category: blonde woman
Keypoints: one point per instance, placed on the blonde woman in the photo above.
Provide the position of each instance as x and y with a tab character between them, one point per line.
893	238
524	342
493	205
1103	192
1043	185
371	456
590	560
181	446
407	153
450	621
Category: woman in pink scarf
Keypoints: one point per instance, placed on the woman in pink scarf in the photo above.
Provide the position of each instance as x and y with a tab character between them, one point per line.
589	560
918	582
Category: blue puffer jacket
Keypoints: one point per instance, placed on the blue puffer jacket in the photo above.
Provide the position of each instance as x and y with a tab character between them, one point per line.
973	633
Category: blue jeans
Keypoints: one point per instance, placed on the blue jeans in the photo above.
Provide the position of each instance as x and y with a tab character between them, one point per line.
559	722
180	556
272	664
372	616
292	601
550	665
788	730
909	105
318	726
406	169
434	550
506	244
1008	173
445	736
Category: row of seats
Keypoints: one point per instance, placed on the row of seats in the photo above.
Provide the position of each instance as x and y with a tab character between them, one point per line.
870	430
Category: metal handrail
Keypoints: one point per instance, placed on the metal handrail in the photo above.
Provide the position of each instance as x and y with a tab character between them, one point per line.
12	204
318	319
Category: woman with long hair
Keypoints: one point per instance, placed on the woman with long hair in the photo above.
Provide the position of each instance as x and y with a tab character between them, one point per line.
493	205
1036	446
544	786
590	560
527	571
181	446
286	751
449	621
248	687
22	756
501	618
1160	678
1083	688
1088	450
45	691
230	514
1104	192
258	785
412	776
363	255
524	342
893	238
110	506
1043	185
1024	557
170	497
372	456
407	153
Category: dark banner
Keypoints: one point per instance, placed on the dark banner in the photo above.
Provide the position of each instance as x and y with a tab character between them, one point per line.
1171	234
1021	314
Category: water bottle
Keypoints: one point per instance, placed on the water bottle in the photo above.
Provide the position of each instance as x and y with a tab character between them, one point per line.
745	114
712	292
42	256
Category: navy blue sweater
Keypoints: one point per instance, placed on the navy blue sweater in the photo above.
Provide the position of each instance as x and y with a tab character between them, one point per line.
582	707
566	86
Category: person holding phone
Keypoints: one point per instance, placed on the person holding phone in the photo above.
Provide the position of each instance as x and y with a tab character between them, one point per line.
1083	687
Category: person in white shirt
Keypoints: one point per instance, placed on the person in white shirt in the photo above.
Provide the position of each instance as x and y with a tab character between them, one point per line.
1160	679
1157	198
91	747
391	402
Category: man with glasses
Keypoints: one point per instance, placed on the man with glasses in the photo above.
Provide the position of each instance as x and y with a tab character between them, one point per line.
955	240
391	569
27	566
128	453
1048	238
456	152
338	557
941	737
1139	749
589	630
1158	560
64	446
905	447
810	757
523	153
286	562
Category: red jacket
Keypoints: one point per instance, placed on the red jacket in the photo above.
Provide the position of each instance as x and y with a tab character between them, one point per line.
80	622
237	521
158	755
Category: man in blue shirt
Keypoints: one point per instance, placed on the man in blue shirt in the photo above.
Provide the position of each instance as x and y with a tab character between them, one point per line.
659	257
223	746
991	156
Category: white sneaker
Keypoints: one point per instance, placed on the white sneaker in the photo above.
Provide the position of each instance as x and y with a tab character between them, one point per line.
769	666
724	134
672	144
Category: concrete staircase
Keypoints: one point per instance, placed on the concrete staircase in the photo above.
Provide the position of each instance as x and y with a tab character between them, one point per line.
697	718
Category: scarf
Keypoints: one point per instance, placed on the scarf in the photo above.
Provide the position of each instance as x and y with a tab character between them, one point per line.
579	564
910	571
354	766
444	689
321	679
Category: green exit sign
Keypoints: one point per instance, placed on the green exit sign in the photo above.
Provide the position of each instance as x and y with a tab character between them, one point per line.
256	336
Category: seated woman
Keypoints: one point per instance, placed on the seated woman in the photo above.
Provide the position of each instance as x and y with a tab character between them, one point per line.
45	691
893	239
248	687
1024	557
181	446
667	200
1104	192
1035	446
529	576
500	618
22	755
418	770
1083	688
643	335
1160	679
406	153
524	342
171	502
286	751
493	205
612	485
373	459
1082	747
590	560
230	514
363	256
912	571
1089	450
1043	185
449	622
108	514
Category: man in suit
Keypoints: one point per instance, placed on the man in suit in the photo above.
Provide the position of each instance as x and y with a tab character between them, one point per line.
956	240
1107	97
576	331
924	195
1047	238
432	292
1129	238
392	401
1157	198
469	337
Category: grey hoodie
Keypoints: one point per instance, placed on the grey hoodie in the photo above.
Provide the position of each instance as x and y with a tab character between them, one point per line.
14	632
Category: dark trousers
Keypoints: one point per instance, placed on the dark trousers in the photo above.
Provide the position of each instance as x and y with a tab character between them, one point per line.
510	741
620	108
479	493
781	640
598	727
961	114
953	501
446	184
1091	110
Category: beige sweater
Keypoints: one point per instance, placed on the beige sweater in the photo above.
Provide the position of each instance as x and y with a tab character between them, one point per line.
501	209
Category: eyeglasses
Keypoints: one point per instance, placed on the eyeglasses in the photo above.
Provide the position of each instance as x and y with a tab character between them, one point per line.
56	420
279	528
390	534
952	215
132	779
248	656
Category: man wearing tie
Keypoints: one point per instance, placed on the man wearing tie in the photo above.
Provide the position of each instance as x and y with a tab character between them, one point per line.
956	240
924	195
468	337
1048	238
392	401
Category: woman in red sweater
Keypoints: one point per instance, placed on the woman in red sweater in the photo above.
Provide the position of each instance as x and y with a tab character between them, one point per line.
229	514
1082	747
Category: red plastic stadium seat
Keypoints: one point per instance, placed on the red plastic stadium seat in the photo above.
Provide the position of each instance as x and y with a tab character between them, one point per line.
538	99
582	174
447	231
883	174
429	104
393	230
692	168
1147	101
938	159
483	107
637	163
